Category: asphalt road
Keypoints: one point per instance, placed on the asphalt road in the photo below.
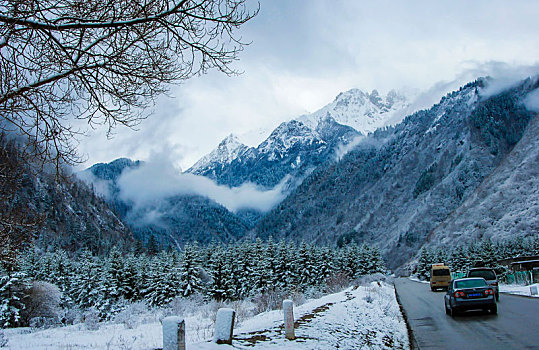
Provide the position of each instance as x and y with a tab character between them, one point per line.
515	327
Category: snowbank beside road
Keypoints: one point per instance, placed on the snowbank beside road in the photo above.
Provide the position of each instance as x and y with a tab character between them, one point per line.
518	289
364	317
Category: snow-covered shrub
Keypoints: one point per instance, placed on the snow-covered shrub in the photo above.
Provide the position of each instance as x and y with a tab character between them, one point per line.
181	306
134	314
72	315
43	322
43	305
269	300
314	292
91	319
375	277
244	309
337	282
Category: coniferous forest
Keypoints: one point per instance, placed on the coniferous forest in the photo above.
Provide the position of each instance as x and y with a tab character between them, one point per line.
259	271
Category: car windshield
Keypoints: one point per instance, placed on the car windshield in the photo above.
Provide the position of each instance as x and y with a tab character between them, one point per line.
440	272
471	283
486	274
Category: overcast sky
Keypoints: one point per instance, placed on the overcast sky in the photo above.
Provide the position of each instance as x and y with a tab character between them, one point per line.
304	52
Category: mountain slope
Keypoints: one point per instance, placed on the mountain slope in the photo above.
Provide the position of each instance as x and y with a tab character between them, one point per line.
69	215
505	205
401	183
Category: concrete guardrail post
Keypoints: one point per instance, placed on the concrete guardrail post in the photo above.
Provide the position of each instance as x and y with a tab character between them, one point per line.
173	333
224	326
288	311
533	290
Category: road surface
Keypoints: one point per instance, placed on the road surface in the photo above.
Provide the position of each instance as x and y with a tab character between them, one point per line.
515	327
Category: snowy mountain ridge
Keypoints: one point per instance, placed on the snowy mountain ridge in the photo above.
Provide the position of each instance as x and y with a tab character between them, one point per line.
291	149
363	111
228	150
352	113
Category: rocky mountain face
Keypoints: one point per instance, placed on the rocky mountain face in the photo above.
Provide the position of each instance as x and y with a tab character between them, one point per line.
400	184
61	212
289	154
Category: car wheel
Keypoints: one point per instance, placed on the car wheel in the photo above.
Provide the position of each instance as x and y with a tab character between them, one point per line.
497	296
446	309
452	312
432	289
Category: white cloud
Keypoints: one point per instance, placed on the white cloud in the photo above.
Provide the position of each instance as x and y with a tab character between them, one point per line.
101	187
532	101
343	149
157	179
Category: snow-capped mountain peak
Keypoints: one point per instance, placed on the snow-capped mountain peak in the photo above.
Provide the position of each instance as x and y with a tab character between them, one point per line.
361	110
228	150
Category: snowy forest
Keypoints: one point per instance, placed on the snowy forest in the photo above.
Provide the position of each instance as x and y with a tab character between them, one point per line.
264	272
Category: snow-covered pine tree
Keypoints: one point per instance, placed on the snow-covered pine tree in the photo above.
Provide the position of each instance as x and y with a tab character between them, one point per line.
350	262
324	260
190	270
12	293
272	265
424	264
114	275
304	266
88	289
132	271
218	272
375	261
285	271
459	260
260	269
246	261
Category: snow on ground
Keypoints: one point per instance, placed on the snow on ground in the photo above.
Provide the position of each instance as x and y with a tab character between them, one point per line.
364	317
518	289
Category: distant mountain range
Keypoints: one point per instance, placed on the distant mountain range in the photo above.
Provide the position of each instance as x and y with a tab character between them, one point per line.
464	169
302	144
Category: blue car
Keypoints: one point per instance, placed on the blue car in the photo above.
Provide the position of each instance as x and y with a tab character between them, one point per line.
470	294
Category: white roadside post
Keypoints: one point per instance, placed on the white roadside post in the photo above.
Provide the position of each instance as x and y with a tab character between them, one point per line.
173	333
288	311
224	326
533	290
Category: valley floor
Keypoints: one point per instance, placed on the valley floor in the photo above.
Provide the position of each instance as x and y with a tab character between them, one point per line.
362	317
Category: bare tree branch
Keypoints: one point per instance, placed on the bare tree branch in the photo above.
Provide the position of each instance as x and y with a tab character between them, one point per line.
104	61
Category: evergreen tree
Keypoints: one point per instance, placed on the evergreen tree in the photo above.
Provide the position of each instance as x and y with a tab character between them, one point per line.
424	264
12	293
217	268
164	280
459	260
189	270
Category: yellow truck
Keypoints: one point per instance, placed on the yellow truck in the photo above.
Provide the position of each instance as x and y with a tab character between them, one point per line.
440	276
